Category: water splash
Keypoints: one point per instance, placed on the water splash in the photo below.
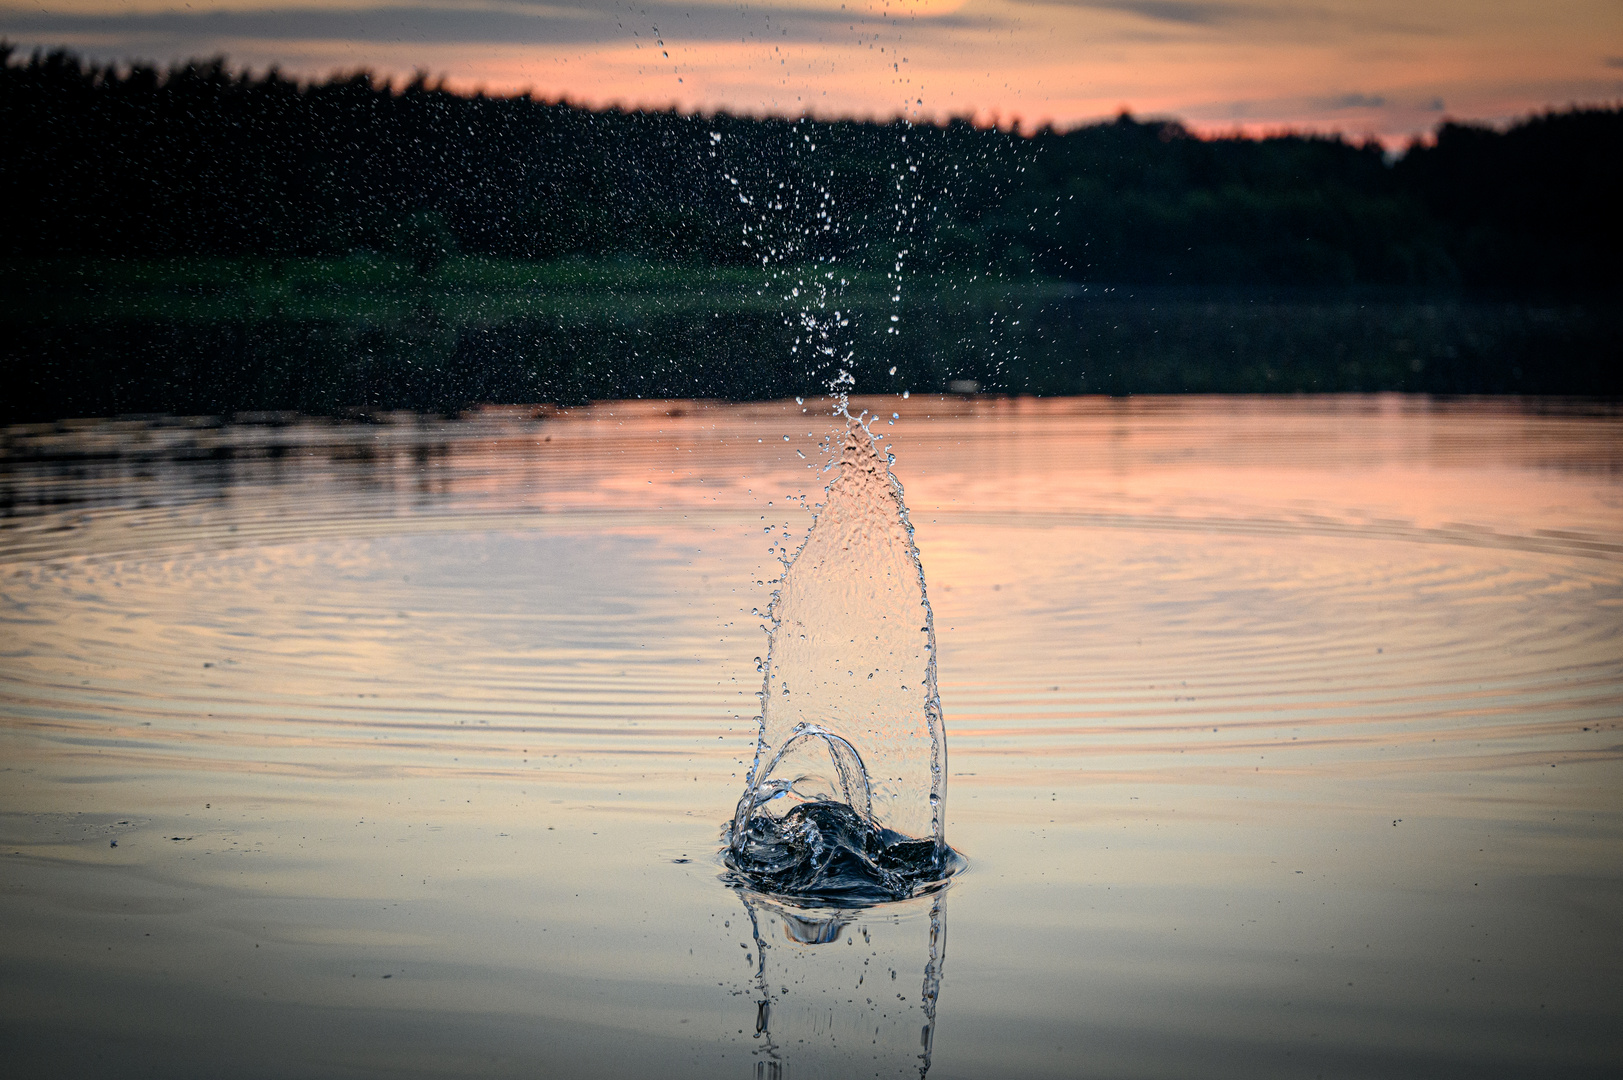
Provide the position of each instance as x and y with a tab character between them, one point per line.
846	797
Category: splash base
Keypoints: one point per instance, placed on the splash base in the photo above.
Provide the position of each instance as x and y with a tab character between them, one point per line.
828	853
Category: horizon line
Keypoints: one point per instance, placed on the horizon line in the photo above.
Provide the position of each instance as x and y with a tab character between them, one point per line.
982	119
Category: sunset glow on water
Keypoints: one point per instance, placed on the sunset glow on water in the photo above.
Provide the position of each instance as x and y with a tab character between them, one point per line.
1284	738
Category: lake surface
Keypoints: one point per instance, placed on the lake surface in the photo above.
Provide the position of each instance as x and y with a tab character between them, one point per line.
1286	739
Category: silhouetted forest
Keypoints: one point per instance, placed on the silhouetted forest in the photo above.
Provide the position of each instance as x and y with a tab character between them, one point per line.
200	218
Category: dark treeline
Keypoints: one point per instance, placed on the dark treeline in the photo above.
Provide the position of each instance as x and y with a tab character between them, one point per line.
199	160
203	240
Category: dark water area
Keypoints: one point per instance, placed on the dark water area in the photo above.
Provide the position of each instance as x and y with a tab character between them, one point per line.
337	336
1285	740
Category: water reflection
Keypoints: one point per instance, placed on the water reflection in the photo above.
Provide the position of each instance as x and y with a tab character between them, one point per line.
1285	741
834	989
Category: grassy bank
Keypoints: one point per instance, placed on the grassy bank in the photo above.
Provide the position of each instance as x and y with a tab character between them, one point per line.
88	336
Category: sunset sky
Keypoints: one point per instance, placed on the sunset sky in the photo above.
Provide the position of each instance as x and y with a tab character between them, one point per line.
1385	67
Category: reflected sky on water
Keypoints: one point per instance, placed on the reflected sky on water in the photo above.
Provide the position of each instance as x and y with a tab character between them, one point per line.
1284	740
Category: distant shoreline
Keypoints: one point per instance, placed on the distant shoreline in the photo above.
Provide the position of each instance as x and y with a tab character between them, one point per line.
201	240
84	337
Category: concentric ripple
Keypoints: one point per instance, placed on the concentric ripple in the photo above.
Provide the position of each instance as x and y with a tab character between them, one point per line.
1284	724
1152	590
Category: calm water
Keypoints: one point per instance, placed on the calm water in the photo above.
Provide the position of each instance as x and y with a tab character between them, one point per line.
1284	741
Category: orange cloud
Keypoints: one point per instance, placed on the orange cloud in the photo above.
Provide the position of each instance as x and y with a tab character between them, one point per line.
1379	66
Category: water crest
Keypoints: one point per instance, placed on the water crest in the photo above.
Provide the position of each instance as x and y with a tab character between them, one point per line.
846	798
